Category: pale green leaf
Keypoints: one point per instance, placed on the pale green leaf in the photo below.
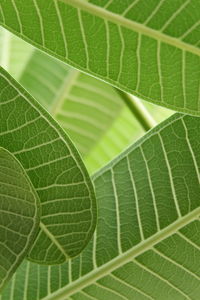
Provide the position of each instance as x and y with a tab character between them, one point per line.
90	111
148	48
84	106
124	132
19	215
48	80
55	170
14	53
78	102
146	245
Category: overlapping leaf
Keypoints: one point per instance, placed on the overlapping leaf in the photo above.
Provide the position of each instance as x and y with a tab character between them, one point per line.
91	112
55	170
14	53
19	215
83	106
149	49
106	134
146	245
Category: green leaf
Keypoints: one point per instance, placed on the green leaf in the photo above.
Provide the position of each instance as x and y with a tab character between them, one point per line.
47	80
146	245
55	170
64	92
14	53
84	106
149	49
19	215
123	133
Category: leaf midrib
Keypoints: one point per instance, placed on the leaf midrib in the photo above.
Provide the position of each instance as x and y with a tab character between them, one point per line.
64	90
130	24
54	240
126	257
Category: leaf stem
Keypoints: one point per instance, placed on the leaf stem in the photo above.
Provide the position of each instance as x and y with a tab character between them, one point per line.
138	109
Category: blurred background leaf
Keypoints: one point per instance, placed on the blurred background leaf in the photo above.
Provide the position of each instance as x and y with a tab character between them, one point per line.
92	112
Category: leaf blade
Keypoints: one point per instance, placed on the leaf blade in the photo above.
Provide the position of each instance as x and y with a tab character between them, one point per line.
138	44
82	105
55	169
128	260
50	83
20	215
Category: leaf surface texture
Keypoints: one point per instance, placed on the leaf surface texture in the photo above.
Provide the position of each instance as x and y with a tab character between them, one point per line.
149	49
146	245
19	215
56	171
107	125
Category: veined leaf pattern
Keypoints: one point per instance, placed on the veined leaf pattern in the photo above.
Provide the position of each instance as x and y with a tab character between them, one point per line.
107	125
19	215
146	245
149	49
84	106
56	171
